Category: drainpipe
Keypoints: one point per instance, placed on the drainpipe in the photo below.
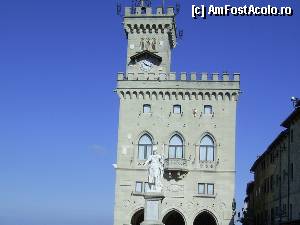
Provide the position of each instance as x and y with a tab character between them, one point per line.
280	210
289	158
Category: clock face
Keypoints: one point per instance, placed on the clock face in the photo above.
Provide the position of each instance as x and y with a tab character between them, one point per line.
146	65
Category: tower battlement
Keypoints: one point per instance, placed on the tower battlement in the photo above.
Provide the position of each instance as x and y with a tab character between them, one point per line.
183	76
148	12
143	21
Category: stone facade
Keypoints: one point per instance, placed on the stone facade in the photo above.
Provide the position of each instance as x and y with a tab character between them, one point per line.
188	118
274	195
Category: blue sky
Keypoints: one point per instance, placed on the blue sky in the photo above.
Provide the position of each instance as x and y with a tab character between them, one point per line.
58	65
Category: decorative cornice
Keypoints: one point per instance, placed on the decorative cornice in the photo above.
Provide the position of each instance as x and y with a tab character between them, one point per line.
148	22
130	94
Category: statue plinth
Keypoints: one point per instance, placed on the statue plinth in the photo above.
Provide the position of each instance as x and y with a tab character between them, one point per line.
152	211
153	194
154	197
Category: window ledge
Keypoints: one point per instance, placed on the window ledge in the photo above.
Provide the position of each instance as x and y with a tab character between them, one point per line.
145	114
207	161
134	193
208	165
207	115
172	114
205	196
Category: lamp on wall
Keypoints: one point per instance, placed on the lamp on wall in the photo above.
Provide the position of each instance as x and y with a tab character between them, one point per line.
233	204
296	102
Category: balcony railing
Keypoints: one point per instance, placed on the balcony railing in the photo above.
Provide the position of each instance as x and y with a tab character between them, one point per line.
176	165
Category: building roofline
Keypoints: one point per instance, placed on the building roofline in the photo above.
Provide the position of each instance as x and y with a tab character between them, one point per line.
293	116
269	149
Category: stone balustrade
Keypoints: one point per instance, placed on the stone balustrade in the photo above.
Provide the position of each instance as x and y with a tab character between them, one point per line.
176	165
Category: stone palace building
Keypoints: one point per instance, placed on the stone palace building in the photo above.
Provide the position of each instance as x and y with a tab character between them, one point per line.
189	118
274	195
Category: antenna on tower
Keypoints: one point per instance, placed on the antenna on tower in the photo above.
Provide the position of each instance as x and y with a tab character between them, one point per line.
177	8
179	34
139	3
296	102
119	9
133	5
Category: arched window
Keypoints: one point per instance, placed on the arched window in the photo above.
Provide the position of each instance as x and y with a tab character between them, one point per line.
176	147
207	149
144	147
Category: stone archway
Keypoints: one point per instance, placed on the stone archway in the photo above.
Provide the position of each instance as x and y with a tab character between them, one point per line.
138	217
205	218
173	218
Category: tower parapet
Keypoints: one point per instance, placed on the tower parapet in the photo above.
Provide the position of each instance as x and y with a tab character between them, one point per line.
183	76
199	86
148	11
147	22
151	37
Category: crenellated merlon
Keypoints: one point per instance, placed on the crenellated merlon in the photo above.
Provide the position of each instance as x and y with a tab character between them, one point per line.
147	11
183	76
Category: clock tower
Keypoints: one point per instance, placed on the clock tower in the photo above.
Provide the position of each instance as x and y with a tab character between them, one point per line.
187	118
151	38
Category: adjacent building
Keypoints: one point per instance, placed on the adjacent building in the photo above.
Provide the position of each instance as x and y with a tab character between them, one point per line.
274	195
189	118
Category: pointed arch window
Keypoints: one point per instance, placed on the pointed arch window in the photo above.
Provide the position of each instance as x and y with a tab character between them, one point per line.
145	147
207	149
176	147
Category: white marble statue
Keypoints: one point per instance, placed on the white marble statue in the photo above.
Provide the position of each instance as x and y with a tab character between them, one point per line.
155	164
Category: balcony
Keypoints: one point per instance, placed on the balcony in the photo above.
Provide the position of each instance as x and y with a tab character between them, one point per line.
175	167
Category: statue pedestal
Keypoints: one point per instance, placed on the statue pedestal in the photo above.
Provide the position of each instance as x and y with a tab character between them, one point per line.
152	211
